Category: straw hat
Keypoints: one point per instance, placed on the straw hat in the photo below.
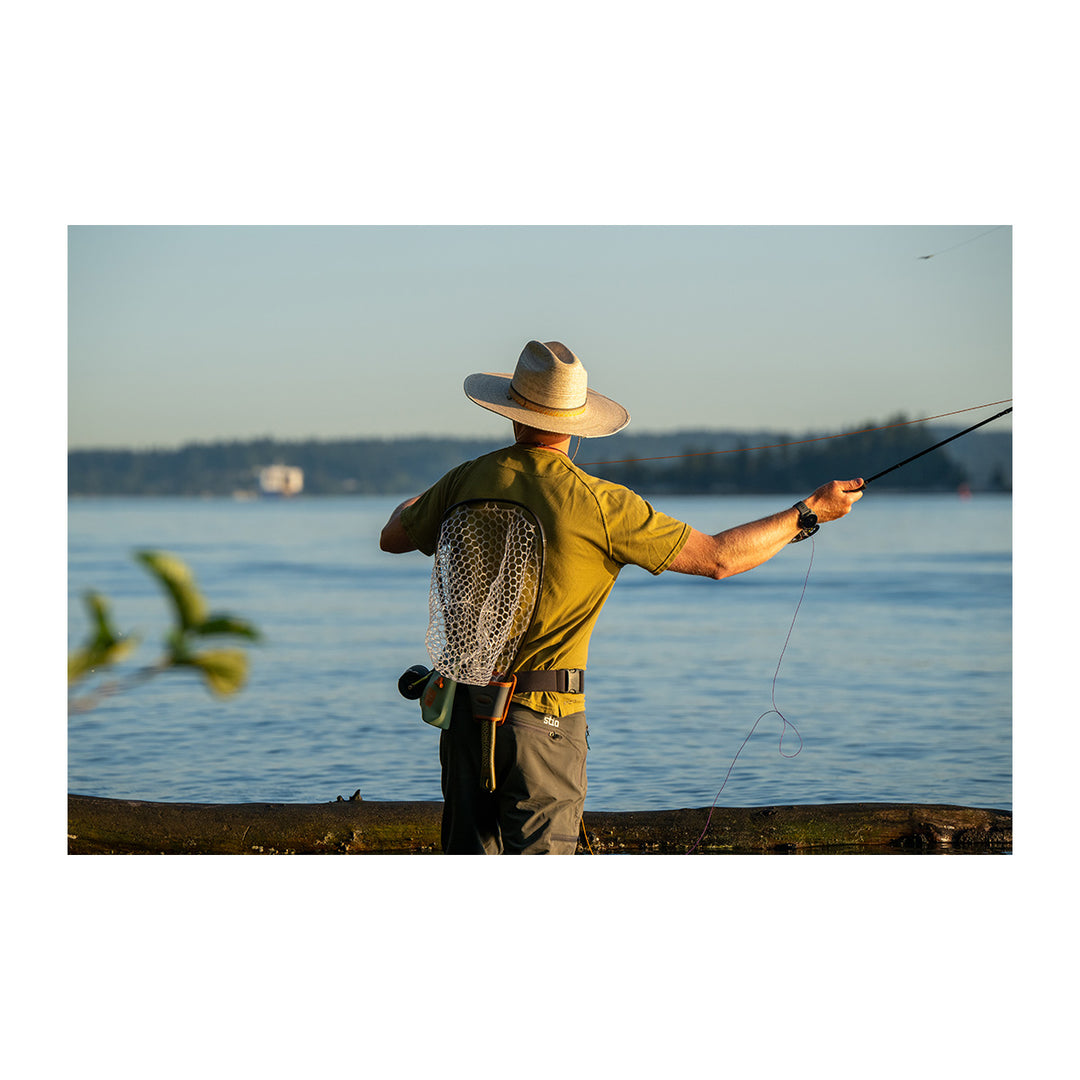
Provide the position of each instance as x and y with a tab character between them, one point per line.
548	391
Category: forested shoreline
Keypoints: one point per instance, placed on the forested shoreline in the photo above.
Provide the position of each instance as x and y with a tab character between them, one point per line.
691	462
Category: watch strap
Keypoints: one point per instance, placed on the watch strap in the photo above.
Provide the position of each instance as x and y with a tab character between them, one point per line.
808	522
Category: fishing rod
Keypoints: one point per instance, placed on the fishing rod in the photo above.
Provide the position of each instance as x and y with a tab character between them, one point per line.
797	442
921	453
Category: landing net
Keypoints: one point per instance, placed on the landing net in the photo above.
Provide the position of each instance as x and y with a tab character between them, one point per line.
484	586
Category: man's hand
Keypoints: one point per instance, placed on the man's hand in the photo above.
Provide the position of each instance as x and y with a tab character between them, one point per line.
835	499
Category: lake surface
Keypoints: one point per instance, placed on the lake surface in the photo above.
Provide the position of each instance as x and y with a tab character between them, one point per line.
897	676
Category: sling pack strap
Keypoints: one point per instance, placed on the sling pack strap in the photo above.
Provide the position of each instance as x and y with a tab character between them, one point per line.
556	681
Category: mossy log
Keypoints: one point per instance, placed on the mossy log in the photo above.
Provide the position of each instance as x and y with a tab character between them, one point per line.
347	827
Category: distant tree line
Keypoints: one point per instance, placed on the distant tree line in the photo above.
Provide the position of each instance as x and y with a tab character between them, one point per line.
409	465
797	466
336	467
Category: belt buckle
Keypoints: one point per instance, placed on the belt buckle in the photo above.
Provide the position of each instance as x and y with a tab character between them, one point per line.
573	681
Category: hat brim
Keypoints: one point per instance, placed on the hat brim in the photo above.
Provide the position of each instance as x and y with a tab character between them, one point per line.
602	416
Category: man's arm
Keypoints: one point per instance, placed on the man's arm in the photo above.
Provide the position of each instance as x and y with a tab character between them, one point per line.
393	537
736	550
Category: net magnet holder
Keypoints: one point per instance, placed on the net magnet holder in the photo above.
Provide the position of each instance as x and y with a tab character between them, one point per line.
491	703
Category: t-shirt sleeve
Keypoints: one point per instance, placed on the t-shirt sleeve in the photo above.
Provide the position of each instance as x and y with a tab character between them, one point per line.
640	535
422	519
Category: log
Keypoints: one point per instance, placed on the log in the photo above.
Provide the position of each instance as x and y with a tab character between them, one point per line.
354	827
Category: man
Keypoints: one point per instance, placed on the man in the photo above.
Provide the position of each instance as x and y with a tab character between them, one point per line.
592	528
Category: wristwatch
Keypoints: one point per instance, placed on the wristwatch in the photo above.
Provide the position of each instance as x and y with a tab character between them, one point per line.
808	524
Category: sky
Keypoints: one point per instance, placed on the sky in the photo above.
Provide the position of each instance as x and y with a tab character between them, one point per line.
194	334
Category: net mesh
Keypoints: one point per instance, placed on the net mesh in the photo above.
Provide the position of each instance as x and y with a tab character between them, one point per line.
484	587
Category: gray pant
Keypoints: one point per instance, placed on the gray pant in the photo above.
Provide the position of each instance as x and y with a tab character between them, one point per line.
540	784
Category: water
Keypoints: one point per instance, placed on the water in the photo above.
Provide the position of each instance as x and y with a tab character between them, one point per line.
897	675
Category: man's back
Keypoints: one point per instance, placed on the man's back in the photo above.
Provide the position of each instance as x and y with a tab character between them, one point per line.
592	528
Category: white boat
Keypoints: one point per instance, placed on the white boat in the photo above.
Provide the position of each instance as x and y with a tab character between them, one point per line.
280	480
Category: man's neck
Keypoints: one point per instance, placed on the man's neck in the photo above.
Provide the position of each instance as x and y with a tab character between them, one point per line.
544	440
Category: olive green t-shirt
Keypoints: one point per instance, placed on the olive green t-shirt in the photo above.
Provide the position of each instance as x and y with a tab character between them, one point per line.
592	529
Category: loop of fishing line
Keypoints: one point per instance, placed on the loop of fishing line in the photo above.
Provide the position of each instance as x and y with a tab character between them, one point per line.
785	722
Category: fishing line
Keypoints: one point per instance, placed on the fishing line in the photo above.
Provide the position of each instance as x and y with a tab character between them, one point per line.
816	438
962	243
786	723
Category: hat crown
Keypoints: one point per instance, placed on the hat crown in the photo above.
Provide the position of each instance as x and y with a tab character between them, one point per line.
548	374
549	391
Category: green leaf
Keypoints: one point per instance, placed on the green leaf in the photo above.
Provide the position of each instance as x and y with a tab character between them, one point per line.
177	648
225	670
227	624
99	617
80	663
179	582
105	645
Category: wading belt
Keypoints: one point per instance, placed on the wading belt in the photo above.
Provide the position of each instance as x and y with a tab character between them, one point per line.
491	703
